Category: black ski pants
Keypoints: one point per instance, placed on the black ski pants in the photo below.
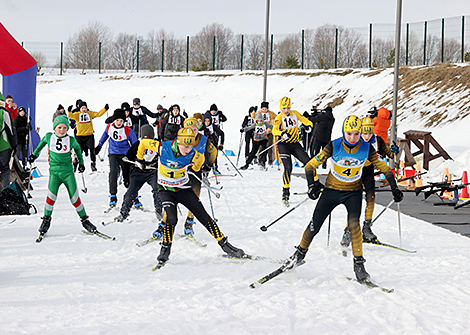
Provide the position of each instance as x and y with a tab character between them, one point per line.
116	164
285	152
87	143
248	143
258	145
328	201
137	179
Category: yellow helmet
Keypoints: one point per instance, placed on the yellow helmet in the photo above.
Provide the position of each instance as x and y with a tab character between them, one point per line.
185	136
285	103
190	122
352	123
367	125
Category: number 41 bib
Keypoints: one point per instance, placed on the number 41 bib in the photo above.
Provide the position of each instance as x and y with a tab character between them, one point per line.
347	167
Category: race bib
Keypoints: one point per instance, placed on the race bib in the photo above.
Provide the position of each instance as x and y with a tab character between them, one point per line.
117	134
174	120
215	119
84	118
149	155
289	122
59	145
266	117
172	177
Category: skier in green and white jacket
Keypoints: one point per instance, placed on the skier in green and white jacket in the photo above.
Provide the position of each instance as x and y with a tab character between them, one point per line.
60	145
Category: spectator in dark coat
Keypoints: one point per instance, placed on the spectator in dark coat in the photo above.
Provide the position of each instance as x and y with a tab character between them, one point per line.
22	130
323	125
7	143
141	112
248	121
171	124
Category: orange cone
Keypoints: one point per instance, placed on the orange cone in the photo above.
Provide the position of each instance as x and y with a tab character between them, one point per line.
419	179
464	193
401	173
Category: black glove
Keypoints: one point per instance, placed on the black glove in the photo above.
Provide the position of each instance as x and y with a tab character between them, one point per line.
221	147
206	168
70	108
126	183
31	159
285	136
397	195
81	168
241	131
97	149
30	127
314	190
106	106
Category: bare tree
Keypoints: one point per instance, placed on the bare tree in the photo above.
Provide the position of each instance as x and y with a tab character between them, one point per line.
351	49
82	49
40	59
324	46
202	46
381	51
288	48
452	50
254	52
124	51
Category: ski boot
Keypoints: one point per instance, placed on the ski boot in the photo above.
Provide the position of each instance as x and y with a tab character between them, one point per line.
159	214
215	171
230	249
244	167
367	234
121	217
285	196
93	167
159	232
46	223
346	240
296	259
188	226
112	201
138	204
262	166
164	253
87	224
359	269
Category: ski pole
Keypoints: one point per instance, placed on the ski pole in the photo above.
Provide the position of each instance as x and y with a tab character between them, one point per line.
329	229
383	210
232	164
84	190
217	195
28	195
240	147
272	145
265	228
212	208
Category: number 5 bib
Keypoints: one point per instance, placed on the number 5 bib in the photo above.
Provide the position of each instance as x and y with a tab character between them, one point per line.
59	145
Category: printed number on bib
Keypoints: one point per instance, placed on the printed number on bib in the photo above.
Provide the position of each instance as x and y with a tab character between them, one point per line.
60	145
172	177
289	122
84	118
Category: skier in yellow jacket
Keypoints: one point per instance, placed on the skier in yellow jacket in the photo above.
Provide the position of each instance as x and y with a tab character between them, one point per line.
286	125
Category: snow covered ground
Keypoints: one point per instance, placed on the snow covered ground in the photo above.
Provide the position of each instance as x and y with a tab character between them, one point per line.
79	284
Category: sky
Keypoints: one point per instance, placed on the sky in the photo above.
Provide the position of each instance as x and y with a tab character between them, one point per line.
56	21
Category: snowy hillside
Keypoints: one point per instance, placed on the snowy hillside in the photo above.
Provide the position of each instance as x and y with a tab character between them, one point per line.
79	284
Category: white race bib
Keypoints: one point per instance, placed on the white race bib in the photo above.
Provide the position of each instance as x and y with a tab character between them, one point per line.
59	145
289	122
84	118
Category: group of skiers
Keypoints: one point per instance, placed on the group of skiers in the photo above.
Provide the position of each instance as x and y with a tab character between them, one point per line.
175	155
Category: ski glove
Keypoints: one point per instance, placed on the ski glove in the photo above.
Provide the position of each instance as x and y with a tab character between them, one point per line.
126	183
31	159
106	106
70	108
314	190
394	148
308	129
397	195
221	147
81	168
241	131
97	149
285	136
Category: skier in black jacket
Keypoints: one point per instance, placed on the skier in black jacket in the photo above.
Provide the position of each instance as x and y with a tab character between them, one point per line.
323	124
248	121
141	112
171	124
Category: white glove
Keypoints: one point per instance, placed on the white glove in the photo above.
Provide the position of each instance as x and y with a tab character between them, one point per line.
285	136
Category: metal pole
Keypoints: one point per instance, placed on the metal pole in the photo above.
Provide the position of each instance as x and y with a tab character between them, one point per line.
393	131
137	55
303	47
336	49
99	58
163	53
271	53
370	45
61	56
241	56
407	41
425	36
462	54
266	50
213	55
442	42
187	54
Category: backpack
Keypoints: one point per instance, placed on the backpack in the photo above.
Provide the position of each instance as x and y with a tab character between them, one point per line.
13	201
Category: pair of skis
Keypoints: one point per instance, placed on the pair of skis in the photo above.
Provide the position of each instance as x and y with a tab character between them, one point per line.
96	232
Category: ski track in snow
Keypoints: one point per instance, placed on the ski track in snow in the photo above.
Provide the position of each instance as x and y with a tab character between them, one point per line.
74	283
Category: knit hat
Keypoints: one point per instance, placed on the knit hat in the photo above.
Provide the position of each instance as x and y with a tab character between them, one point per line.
136	101
175	106
119	114
213	107
60	107
185	136
259	116
125	106
265	104
285	103
61	119
146	131
190	122
328	109
252	109
21	109
78	102
81	104
159	107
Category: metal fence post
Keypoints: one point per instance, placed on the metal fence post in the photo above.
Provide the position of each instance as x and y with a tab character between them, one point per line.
336	48
163	53
462	53
99	57
271	57
303	47
442	42
370	45
187	54
241	57
407	42
425	37
213	55
61	56
137	55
